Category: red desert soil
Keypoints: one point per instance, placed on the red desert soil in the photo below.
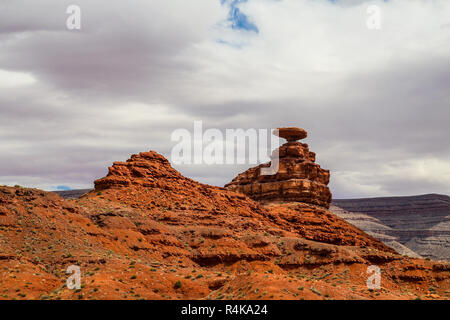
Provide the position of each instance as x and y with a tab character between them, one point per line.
147	232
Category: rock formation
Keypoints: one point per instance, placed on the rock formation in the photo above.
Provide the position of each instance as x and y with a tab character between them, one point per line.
145	169
298	179
148	232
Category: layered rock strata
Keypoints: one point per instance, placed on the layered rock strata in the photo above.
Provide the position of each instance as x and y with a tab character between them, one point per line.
147	232
298	178
420	223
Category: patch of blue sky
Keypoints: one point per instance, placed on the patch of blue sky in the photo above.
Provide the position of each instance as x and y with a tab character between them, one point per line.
238	20
63	188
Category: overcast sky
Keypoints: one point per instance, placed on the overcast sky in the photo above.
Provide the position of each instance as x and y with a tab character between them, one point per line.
376	103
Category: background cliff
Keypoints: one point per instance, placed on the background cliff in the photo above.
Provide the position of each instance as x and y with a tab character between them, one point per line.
417	225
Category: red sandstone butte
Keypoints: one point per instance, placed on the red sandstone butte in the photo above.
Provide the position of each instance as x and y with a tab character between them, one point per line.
148	232
298	179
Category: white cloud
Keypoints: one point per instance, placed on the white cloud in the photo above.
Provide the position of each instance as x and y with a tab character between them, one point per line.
138	70
9	79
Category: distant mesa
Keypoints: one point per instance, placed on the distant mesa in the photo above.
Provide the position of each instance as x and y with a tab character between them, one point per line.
72	194
298	179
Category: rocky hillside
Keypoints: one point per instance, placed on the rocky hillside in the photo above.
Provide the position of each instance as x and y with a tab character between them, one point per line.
410	242
147	232
417	225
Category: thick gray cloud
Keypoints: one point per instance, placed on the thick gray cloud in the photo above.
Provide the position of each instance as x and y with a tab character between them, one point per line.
375	103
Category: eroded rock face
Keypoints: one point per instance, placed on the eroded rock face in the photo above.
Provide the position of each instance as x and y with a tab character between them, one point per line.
146	229
298	179
144	169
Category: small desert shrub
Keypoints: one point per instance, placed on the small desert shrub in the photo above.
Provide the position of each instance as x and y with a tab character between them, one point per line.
177	285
